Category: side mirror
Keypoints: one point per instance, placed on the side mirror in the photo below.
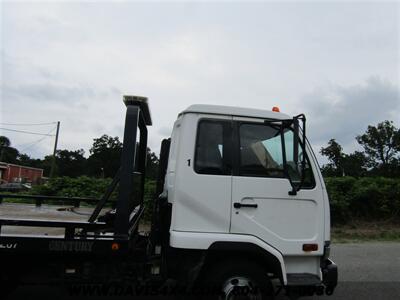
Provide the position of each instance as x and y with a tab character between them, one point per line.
296	143
293	124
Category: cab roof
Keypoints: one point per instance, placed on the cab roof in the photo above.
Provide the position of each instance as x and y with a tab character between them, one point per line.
233	111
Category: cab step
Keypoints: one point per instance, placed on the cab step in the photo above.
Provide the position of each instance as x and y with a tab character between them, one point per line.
302	279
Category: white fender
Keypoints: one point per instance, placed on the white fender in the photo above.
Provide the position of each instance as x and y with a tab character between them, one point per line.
201	240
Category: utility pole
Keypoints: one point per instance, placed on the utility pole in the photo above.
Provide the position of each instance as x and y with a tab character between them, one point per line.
53	163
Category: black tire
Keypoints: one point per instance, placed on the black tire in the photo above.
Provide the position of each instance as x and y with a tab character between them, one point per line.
237	279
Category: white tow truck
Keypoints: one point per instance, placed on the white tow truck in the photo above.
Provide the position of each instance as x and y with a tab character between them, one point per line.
242	212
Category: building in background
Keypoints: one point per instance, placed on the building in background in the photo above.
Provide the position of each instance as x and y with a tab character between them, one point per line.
17	173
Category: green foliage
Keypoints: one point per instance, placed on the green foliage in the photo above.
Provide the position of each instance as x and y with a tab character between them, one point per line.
152	165
340	163
368	198
7	153
82	186
149	196
89	187
381	143
354	164
103	162
381	155
4	141
362	232
105	156
364	199
335	155
338	189
70	163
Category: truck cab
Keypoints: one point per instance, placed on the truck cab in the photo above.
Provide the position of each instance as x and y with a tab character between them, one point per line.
241	212
244	184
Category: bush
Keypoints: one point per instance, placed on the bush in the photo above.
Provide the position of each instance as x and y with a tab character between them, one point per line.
89	187
83	186
363	199
149	196
351	199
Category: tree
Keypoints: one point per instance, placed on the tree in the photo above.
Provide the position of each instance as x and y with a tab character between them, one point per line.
354	164
4	141
70	163
152	165
381	144
105	156
26	160
104	159
46	164
335	157
7	153
342	164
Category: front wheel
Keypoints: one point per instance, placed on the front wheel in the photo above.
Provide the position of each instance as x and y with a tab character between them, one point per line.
238	280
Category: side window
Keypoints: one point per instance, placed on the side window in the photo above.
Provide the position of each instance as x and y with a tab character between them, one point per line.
212	154
260	151
261	154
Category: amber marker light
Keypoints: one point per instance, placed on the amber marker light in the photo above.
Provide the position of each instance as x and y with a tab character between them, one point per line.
275	109
115	247
310	247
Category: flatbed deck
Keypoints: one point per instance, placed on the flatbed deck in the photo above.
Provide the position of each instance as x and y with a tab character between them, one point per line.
62	239
45	212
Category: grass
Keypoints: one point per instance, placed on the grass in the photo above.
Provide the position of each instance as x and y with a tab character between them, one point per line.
366	232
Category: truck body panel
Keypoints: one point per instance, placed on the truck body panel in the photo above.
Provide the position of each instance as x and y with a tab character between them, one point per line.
283	222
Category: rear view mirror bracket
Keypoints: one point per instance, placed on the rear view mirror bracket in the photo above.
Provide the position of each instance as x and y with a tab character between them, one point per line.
295	124
296	142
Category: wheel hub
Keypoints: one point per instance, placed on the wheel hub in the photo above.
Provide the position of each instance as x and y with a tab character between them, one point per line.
240	288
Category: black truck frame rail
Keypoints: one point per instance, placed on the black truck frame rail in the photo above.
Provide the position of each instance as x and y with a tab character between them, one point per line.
93	235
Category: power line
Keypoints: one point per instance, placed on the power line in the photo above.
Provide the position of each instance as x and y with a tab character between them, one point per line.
30	145
34	143
27	132
27	124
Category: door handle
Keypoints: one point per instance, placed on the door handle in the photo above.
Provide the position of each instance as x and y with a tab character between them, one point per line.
239	205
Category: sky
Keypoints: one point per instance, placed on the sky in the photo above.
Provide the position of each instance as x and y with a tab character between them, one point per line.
337	62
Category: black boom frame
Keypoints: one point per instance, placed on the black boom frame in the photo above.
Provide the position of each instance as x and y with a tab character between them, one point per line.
129	206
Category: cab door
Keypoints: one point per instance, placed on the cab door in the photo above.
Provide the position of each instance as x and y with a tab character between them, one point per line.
261	204
203	183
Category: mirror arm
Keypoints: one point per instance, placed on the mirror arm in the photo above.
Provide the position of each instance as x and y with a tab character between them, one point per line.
303	146
296	141
303	162
293	192
295	122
